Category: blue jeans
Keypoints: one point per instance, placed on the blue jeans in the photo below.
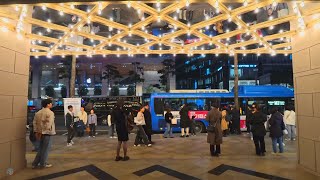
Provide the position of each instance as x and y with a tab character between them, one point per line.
276	141
42	154
36	145
168	130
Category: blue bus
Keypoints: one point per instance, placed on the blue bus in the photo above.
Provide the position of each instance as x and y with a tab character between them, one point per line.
199	102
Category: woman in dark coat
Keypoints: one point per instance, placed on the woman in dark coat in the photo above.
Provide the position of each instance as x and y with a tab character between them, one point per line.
122	131
184	120
258	130
276	129
215	138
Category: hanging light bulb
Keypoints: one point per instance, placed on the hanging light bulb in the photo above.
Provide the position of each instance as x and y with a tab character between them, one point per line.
72	6
44	7
187	3
158	4
302	3
48	30
256	10
129	4
61	13
274	3
159	19
245	3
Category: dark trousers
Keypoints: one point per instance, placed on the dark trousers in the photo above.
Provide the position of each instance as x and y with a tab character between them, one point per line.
193	128
92	129
259	143
148	131
215	149
141	135
71	133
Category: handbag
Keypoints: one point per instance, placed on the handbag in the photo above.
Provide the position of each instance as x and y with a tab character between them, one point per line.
285	131
109	120
211	128
174	121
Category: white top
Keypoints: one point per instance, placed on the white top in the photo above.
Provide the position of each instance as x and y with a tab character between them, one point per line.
289	117
83	116
140	119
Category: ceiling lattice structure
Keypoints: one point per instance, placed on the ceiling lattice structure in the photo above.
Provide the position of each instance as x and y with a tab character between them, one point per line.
117	41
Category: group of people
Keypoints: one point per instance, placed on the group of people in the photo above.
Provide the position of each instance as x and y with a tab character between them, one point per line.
279	125
79	123
124	122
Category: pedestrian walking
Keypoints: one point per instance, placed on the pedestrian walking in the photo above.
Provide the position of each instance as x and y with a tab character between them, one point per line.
184	121
258	130
44	127
112	125
70	125
168	117
249	119
224	122
235	119
214	137
148	126
193	126
141	135
92	121
276	130
290	122
121	121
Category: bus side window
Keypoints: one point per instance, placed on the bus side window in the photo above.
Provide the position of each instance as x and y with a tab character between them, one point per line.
158	106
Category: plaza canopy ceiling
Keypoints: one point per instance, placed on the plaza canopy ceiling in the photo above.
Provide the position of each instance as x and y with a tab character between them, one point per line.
160	27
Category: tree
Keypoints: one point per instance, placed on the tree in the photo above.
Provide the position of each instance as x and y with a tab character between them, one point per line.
82	90
135	77
49	90
73	76
97	90
63	91
131	90
115	90
167	71
111	74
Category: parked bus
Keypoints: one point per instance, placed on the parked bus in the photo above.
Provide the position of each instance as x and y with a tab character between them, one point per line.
200	101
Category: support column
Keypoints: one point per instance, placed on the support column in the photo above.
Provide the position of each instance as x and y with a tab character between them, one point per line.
306	74
14	73
236	80
73	76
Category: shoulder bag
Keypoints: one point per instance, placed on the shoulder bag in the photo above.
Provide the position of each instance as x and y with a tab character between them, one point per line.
211	127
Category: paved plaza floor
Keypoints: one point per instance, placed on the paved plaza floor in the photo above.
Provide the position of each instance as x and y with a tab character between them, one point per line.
176	158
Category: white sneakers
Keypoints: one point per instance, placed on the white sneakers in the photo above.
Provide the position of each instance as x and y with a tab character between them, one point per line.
69	144
115	137
72	142
94	136
149	145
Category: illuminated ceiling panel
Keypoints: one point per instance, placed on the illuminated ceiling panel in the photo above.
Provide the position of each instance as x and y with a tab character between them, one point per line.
160	27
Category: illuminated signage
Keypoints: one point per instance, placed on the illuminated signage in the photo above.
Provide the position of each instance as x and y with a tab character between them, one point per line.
276	103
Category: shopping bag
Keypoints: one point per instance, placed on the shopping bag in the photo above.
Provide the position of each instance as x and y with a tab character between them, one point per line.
109	120
174	121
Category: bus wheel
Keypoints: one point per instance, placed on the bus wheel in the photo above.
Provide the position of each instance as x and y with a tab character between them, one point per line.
199	127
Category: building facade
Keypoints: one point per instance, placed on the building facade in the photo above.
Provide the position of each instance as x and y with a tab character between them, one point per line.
217	72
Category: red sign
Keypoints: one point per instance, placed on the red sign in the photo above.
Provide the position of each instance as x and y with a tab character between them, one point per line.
198	114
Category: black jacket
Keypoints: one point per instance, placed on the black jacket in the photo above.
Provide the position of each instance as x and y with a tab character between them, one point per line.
167	117
69	120
257	122
276	125
235	116
147	118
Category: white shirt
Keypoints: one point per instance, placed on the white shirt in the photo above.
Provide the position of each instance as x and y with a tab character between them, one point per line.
83	116
289	117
